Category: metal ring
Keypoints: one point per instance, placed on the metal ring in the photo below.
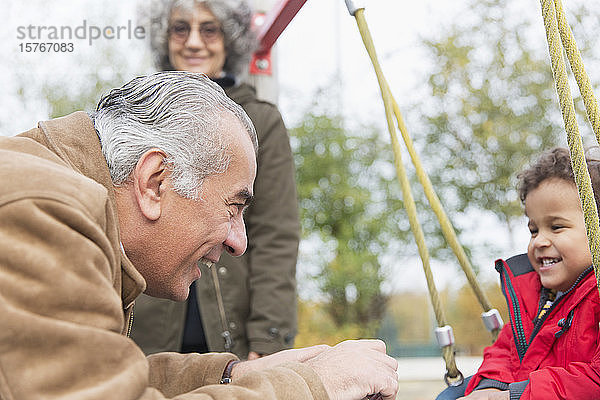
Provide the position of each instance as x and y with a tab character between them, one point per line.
459	379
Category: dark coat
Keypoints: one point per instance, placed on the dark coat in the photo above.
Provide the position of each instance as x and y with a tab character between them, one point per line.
259	288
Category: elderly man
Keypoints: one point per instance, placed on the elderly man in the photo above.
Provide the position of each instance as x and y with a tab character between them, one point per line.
96	209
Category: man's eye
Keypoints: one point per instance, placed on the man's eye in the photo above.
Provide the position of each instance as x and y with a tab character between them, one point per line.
557	227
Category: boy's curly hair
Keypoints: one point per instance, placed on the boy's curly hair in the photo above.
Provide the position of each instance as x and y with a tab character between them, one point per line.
556	163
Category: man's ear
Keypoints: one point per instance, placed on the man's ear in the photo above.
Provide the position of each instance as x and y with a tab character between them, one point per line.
149	183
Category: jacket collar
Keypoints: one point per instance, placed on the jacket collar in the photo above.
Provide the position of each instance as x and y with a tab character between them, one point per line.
586	284
73	138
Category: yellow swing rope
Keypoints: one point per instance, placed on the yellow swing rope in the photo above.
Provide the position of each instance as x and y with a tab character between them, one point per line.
409	203
453	375
583	81
435	204
558	29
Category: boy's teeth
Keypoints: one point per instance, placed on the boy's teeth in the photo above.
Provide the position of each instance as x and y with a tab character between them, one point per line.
546	262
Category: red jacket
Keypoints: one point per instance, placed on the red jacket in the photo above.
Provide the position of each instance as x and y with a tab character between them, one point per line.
559	358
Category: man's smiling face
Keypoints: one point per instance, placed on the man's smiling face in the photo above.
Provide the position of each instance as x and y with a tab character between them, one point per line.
190	230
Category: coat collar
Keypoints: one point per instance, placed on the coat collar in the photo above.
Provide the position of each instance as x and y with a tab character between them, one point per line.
73	138
582	290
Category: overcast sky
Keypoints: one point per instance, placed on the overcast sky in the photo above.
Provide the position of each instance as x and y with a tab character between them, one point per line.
321	42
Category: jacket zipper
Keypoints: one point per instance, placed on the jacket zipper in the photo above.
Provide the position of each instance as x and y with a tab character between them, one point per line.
226	334
540	322
130	322
517	325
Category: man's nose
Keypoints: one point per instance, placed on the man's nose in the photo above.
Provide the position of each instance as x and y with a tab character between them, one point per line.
236	240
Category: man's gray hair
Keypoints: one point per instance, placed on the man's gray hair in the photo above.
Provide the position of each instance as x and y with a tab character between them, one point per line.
235	17
180	113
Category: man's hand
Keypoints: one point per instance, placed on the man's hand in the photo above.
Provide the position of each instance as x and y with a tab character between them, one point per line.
355	369
487	394
350	370
281	357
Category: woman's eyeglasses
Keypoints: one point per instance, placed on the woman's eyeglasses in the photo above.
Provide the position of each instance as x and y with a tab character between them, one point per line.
209	31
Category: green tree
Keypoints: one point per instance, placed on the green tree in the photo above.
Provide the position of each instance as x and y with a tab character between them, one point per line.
493	105
349	201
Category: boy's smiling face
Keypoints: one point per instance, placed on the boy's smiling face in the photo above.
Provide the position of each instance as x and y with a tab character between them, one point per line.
558	248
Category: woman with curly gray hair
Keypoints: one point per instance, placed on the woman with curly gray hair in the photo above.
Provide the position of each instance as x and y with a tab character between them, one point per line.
245	305
224	26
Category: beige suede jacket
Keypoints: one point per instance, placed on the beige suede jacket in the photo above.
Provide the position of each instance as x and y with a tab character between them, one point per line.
67	290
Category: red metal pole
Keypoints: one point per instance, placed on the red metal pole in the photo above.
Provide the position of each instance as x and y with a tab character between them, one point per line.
276	21
271	27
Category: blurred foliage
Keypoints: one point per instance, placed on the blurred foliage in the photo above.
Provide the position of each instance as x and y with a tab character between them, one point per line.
493	106
409	319
348	198
316	326
464	314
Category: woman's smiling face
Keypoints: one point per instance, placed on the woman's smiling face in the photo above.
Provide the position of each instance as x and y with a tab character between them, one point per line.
196	42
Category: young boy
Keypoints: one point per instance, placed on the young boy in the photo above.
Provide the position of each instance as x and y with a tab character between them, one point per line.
550	348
